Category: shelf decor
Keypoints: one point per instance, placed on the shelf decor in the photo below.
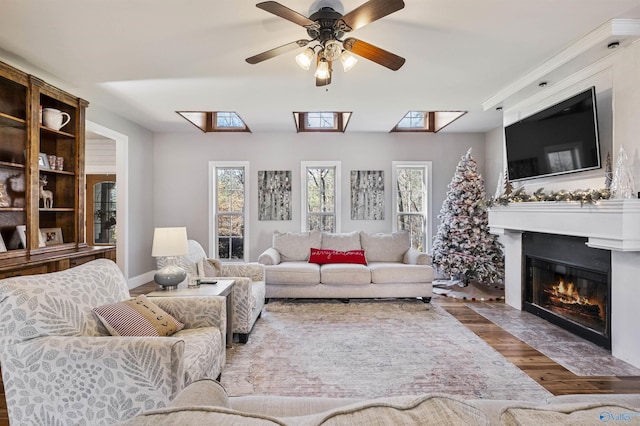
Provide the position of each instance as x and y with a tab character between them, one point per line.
51	236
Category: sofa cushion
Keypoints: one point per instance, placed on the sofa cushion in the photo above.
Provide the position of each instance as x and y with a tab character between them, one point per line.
302	273
569	414
341	241
345	274
385	247
295	246
137	317
392	272
322	256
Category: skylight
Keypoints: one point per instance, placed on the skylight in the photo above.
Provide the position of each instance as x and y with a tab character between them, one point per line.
427	121
321	121
215	121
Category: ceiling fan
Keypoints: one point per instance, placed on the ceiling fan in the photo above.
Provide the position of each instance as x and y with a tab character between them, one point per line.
326	29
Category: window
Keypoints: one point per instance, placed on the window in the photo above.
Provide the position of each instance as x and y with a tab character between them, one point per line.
426	121
229	220
215	121
411	200
320	196
321	121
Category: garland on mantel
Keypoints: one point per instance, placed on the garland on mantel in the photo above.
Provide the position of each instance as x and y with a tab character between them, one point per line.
585	196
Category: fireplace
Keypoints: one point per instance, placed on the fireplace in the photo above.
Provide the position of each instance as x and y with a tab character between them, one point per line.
568	284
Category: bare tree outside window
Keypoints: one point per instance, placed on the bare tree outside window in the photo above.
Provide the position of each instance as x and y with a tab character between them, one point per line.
230	196
321	199
410	187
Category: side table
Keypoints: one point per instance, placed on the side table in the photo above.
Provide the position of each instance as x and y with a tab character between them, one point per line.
221	288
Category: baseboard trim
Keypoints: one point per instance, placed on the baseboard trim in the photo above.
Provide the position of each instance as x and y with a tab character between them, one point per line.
140	279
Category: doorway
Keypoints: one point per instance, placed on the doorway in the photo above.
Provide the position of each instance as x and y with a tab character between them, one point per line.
119	163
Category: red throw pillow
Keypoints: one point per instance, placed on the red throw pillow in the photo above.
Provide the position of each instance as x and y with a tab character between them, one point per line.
322	256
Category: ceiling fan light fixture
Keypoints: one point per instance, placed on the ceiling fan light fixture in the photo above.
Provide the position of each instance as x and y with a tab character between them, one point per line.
348	61
322	71
305	58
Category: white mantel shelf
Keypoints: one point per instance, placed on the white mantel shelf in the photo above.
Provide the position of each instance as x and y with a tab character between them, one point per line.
609	224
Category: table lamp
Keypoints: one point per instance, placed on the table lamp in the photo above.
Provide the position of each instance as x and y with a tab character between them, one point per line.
169	243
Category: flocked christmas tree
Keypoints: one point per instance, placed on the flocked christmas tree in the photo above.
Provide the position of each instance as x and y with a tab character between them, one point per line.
463	247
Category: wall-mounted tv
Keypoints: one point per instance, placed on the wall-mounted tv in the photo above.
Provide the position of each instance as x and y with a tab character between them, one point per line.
557	140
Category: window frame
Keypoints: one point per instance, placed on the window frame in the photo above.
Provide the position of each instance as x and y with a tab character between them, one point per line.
433	121
207	121
213	208
426	199
304	166
340	120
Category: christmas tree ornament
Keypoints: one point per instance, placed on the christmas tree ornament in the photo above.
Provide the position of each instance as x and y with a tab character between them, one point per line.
622	183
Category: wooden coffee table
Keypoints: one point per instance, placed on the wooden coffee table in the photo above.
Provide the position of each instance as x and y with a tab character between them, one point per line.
221	288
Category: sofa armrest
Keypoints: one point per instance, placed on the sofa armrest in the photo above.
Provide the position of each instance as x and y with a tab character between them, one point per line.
97	379
415	257
196	311
204	392
270	256
255	271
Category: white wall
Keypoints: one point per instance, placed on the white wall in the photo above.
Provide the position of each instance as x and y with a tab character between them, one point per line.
180	169
493	152
626	96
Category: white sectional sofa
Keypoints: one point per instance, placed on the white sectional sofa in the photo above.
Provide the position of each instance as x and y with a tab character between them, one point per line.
206	402
392	269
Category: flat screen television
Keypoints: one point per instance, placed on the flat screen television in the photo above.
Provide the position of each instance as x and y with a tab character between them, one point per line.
557	140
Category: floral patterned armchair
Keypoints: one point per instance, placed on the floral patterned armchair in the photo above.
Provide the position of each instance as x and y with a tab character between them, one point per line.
61	366
248	291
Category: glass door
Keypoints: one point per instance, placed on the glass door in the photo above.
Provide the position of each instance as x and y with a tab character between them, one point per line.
101	210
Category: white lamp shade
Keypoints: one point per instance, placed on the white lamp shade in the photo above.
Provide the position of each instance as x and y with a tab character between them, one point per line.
305	58
170	242
323	70
348	61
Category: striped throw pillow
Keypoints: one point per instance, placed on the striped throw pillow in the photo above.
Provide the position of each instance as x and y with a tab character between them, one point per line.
137	317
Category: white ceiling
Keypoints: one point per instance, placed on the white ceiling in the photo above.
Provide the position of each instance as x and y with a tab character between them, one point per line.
145	59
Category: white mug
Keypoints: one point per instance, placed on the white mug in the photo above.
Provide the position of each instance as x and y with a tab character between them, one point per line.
54	118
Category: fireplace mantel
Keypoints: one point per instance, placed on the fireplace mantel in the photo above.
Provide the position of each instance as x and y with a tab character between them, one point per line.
609	224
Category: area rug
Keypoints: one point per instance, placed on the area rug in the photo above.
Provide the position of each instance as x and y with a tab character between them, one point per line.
369	349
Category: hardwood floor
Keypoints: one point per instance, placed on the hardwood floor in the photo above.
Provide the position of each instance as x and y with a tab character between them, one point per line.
549	374
546	372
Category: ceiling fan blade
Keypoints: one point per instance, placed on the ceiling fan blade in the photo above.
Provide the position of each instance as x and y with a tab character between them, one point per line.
277	51
371	11
285	13
373	53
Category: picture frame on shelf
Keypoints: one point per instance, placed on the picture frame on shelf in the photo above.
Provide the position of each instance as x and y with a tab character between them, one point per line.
22	233
3	247
43	161
51	236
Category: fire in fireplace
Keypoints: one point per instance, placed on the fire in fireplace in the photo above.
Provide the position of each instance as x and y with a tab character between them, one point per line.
568	284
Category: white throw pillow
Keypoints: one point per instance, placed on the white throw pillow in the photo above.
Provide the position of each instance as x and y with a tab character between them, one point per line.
295	246
385	247
346	241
